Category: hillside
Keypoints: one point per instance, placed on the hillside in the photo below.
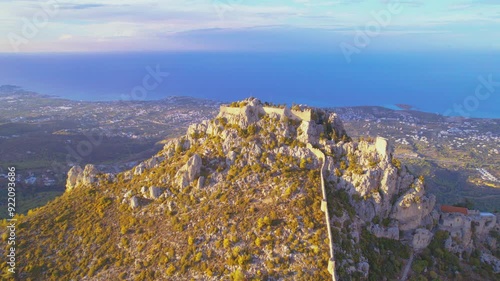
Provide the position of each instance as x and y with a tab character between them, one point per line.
261	192
44	136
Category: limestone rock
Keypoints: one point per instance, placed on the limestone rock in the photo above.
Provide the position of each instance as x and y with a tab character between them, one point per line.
388	184
139	169
231	157
491	260
73	176
196	131
421	239
144	191
134	202
364	268
83	178
189	172
309	132
128	194
391	232
148	164
154	192
244	115
214	127
201	182
413	207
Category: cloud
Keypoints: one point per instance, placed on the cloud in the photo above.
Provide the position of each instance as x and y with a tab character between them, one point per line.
483	2
415	3
67	6
119	24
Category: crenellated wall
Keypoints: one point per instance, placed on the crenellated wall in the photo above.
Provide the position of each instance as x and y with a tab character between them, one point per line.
276	110
305	115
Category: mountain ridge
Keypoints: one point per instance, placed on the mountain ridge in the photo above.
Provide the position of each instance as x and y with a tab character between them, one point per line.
271	164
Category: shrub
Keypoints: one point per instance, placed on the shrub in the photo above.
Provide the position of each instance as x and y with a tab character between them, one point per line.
237	275
419	266
396	163
170	270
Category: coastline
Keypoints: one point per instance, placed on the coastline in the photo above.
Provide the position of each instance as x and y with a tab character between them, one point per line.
153	98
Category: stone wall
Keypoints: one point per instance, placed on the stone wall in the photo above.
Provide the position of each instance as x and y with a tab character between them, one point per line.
276	110
305	115
232	110
473	212
324	207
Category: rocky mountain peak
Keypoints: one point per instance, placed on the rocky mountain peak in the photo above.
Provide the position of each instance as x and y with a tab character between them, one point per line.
297	162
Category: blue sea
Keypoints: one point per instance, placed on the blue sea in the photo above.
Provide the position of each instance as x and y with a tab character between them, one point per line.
431	82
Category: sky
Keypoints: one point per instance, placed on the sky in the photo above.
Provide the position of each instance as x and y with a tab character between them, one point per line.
244	25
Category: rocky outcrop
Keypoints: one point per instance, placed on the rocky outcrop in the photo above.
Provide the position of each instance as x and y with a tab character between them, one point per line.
421	239
413	207
248	113
189	172
309	132
323	125
87	177
391	232
231	157
148	164
201	182
74	176
252	134
377	187
134	202
154	192
491	260
365	170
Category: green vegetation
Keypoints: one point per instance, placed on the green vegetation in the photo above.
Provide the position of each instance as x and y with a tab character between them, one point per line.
30	200
385	256
436	262
354	166
238	104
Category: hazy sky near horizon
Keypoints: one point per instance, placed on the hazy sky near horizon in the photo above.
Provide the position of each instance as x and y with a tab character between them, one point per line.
244	25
